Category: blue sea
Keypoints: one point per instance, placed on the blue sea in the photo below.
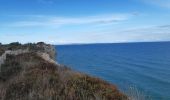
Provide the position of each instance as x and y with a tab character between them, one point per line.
146	66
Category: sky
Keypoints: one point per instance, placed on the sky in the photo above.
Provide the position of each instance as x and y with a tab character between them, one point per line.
84	21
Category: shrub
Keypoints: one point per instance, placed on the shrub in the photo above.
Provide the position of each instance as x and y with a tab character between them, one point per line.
1	51
28	76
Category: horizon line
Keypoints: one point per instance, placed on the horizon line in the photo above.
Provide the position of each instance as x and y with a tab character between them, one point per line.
90	43
111	43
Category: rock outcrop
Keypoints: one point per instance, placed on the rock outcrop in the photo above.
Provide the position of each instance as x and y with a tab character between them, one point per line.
10	52
46	51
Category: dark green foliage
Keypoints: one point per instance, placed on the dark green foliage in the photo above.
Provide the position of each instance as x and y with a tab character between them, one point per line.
14	46
40	43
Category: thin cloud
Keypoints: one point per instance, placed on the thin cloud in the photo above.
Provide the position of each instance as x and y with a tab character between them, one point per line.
154	33
148	34
46	1
92	19
161	3
60	21
164	26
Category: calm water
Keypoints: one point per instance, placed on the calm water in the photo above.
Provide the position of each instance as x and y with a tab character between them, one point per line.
143	65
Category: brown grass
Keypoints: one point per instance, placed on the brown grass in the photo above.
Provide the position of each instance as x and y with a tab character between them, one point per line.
29	77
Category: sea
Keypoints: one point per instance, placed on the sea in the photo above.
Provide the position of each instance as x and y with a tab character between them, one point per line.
141	69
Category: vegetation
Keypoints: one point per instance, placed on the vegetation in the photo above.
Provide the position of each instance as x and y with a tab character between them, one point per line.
1	51
134	93
28	76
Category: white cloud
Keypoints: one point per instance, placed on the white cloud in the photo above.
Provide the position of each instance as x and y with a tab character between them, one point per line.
60	21
155	33
92	19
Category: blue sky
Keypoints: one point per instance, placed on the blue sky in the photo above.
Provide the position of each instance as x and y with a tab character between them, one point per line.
84	21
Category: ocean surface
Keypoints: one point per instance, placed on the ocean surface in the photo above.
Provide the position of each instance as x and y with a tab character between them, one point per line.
145	66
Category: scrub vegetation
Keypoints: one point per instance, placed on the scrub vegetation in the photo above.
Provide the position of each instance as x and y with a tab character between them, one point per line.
28	76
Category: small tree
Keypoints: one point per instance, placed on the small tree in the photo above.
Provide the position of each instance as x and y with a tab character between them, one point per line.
15	44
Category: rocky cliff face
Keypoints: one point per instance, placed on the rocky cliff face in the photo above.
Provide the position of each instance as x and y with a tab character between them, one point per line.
34	75
46	51
49	49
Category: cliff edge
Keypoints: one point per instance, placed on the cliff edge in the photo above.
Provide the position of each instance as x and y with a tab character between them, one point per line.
29	72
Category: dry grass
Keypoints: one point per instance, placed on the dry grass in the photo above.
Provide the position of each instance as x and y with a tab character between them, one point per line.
134	93
29	77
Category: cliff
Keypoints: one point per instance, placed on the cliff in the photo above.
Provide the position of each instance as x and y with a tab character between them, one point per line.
29	72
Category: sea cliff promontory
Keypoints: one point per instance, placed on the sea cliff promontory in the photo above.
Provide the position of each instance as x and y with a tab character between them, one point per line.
30	72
